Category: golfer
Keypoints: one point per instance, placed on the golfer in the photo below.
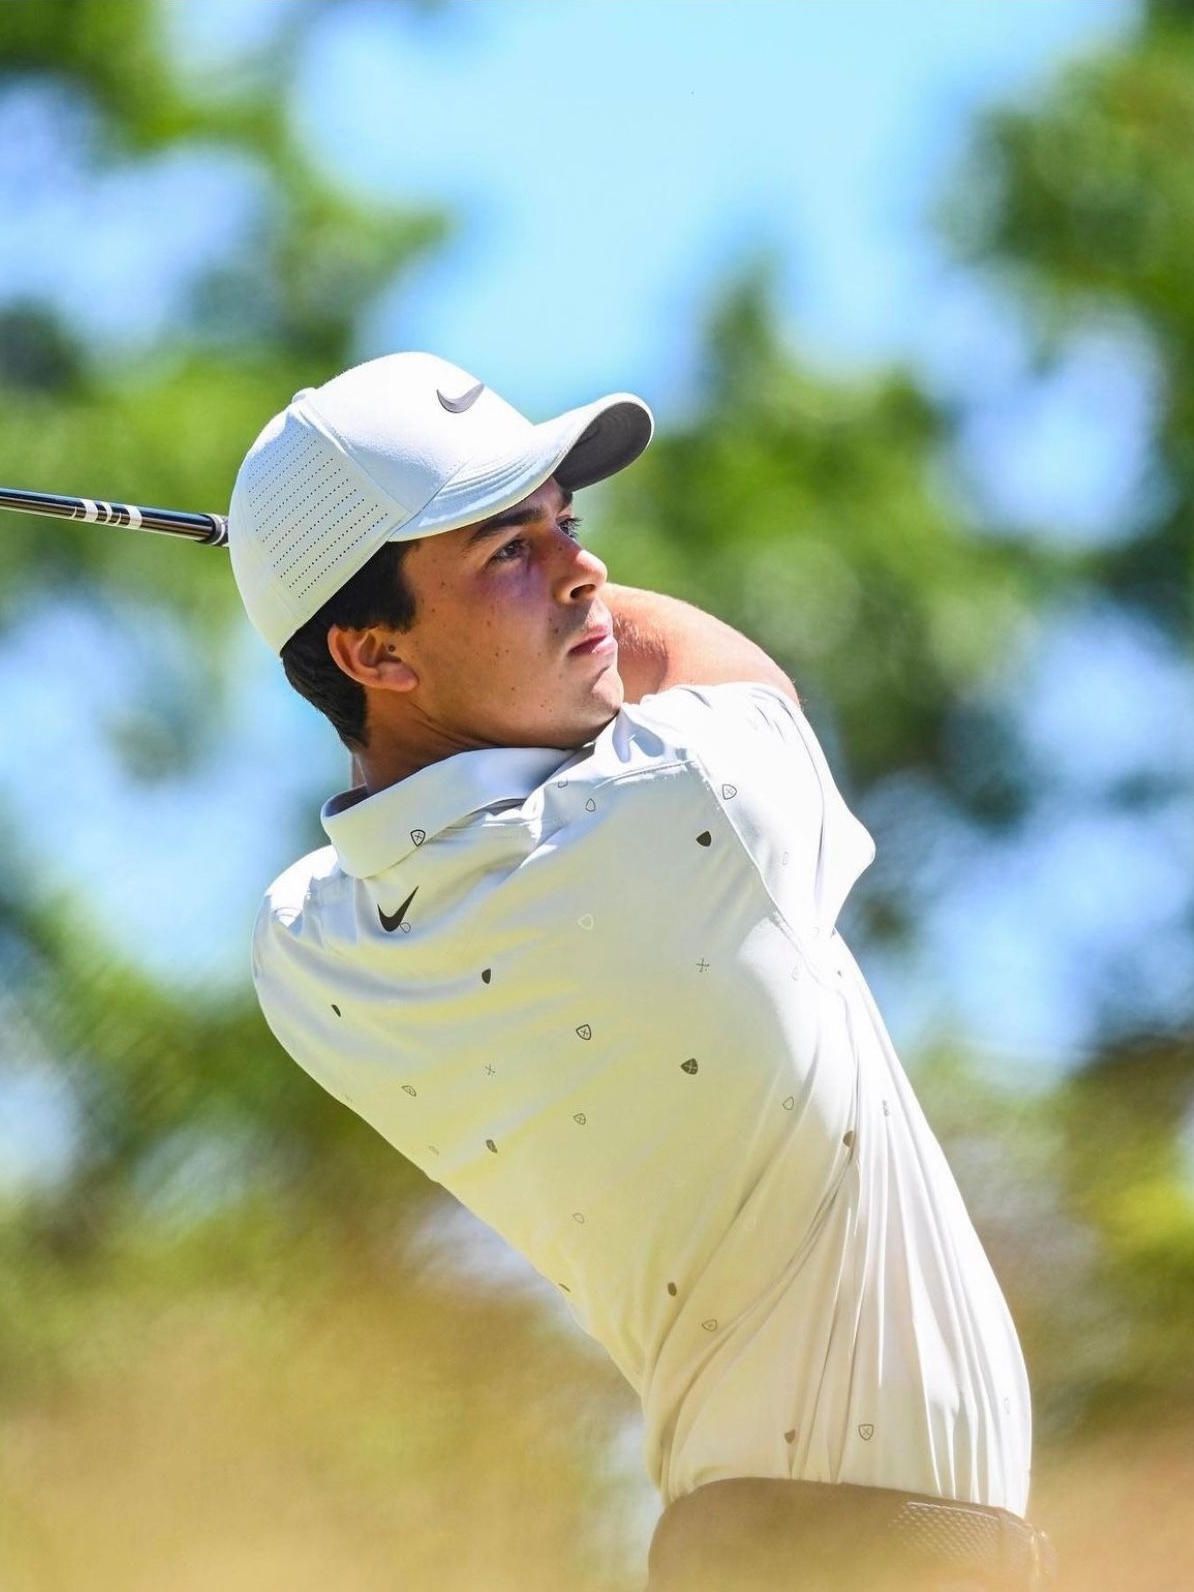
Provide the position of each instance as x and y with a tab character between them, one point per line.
571	949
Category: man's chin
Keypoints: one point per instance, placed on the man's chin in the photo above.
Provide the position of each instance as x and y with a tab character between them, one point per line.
587	726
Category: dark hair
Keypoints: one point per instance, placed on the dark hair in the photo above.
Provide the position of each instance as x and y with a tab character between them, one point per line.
378	594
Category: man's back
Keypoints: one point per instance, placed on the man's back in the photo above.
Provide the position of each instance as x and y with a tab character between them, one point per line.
600	998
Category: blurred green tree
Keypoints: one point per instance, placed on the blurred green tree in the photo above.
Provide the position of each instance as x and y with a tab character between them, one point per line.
1081	209
158	1077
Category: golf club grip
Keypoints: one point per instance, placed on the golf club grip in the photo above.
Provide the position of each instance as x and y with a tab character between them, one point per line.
209	529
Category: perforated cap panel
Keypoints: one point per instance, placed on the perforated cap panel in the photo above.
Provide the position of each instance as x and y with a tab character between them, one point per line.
310	524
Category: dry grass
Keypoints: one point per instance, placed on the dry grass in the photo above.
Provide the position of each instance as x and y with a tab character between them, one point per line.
334	1432
1118	1510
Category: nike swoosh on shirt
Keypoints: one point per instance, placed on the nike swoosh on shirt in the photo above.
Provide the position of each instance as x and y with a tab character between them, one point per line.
393	920
457	406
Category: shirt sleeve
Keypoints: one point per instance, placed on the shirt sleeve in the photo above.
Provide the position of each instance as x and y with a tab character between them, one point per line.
767	772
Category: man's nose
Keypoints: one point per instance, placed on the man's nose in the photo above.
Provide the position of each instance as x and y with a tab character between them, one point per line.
581	574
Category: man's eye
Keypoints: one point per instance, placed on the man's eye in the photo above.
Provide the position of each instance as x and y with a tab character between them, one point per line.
570	525
509	551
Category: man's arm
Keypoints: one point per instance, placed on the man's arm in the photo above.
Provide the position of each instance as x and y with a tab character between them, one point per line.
663	642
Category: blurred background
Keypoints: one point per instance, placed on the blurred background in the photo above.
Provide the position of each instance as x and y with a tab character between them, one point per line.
908	283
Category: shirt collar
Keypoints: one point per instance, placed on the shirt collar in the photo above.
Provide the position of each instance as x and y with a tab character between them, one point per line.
371	833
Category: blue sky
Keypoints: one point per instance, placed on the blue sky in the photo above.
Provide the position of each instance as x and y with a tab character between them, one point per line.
605	162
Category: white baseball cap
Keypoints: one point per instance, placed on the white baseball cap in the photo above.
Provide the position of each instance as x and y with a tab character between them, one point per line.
401	447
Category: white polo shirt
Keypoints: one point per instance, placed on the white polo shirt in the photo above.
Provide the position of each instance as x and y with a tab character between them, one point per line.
600	998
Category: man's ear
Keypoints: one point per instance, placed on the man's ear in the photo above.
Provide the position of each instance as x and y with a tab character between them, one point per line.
371	657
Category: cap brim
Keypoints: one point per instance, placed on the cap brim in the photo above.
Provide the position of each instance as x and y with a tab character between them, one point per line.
578	448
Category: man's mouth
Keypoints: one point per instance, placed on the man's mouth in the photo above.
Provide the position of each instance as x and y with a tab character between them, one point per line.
595	642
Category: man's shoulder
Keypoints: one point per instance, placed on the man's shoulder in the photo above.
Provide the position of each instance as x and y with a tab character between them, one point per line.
696	719
311	880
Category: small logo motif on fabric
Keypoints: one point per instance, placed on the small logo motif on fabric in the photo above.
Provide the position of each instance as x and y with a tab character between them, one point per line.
336	1009
418	836
394	920
671	1288
491	1146
710	1324
729	792
689	1066
590	806
586	922
866	1431
409	1088
486	974
790	1437
789	1103
457	406
704	838
579	1116
584	1031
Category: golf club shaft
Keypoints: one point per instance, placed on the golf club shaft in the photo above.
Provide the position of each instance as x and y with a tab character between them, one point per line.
210	529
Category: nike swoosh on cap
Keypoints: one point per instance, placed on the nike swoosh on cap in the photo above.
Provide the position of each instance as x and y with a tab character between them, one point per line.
393	920
457	406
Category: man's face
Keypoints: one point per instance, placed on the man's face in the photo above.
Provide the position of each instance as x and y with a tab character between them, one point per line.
511	642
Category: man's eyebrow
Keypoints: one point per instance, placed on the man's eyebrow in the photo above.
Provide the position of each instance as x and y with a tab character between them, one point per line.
508	518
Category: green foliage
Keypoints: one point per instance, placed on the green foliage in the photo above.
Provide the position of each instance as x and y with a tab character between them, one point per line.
1085	207
180	1101
279	312
808	511
1082	207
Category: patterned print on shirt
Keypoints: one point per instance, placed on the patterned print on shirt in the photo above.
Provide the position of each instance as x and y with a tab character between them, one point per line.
704	838
418	836
486	974
584	1031
689	1066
